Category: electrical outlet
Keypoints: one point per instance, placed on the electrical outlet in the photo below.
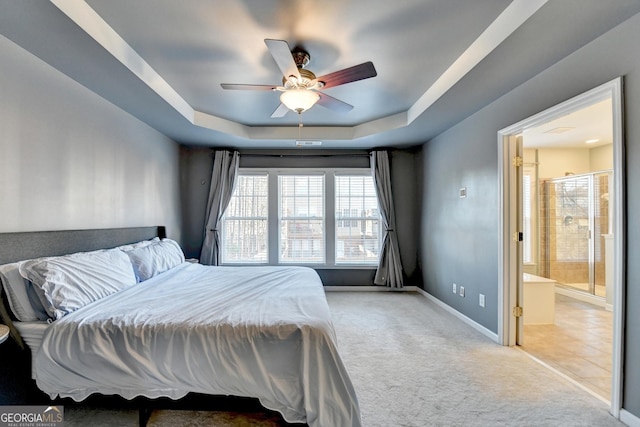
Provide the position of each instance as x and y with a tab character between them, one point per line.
455	288
462	291
481	300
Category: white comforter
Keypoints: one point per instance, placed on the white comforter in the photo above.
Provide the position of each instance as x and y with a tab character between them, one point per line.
262	332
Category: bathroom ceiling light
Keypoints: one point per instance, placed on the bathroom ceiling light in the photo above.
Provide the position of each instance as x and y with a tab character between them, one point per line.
591	141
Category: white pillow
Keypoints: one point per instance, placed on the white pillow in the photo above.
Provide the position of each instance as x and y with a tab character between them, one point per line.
70	282
137	245
155	258
17	289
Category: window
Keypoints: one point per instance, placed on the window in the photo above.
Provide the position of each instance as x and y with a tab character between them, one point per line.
301	219
326	217
244	225
527	252
357	220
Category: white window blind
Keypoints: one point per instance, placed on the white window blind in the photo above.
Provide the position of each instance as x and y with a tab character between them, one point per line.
357	232
302	219
245	222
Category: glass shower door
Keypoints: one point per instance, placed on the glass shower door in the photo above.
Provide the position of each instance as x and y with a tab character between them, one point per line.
577	219
570	232
602	229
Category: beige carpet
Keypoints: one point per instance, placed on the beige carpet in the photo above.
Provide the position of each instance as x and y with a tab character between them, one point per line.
413	364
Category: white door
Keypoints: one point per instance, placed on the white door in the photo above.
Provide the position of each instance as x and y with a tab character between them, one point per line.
517	235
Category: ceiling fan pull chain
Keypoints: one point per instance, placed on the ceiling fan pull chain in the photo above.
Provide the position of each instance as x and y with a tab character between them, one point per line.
300	125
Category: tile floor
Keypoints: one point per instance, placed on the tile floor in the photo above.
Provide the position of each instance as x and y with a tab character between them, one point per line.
578	344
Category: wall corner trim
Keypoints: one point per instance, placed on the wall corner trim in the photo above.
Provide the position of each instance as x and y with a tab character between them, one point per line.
475	325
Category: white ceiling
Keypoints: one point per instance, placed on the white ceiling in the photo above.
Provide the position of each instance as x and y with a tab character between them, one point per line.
593	123
438	61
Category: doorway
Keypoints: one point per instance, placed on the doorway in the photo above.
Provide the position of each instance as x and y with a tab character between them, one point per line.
562	249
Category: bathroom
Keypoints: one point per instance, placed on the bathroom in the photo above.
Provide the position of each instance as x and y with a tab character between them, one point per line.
566	178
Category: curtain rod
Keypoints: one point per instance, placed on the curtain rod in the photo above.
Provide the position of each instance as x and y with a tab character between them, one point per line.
304	155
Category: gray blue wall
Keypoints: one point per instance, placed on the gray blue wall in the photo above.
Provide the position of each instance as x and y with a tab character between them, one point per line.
71	160
459	237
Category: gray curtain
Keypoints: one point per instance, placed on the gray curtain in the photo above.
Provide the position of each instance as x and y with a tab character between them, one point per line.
389	271
223	179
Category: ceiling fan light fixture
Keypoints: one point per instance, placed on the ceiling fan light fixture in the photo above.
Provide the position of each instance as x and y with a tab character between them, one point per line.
299	100
299	85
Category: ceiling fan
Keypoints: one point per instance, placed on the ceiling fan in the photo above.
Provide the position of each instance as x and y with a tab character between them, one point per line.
300	87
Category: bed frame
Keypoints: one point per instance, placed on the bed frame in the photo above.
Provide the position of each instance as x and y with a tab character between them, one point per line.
35	244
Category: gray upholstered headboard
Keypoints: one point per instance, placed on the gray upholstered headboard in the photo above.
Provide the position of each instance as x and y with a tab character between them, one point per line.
35	244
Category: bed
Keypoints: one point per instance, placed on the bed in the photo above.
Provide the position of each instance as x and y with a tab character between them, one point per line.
173	327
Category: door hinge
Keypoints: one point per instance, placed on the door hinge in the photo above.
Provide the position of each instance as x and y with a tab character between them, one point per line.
517	311
518	236
517	161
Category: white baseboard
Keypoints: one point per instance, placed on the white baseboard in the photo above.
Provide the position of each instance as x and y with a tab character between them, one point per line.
581	296
629	419
475	325
369	289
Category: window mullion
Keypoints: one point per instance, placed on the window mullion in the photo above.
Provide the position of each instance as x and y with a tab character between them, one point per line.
330	219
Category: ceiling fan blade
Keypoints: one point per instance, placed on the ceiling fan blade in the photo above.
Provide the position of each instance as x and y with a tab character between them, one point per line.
246	87
281	111
281	53
334	104
348	75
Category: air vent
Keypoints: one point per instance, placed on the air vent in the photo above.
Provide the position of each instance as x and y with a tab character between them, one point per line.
559	130
307	142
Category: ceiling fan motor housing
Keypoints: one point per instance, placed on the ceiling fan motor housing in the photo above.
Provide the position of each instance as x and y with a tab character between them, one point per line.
307	81
301	57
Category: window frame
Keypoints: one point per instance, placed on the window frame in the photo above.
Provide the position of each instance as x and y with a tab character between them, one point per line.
323	218
339	173
241	218
531	237
273	217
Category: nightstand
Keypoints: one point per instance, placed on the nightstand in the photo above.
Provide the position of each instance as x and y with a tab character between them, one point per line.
4	333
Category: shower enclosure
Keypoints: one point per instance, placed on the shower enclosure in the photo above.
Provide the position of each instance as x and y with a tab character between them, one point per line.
575	225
